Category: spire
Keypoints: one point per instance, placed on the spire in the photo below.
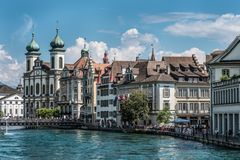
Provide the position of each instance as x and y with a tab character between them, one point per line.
84	51
153	54
32	46
105	58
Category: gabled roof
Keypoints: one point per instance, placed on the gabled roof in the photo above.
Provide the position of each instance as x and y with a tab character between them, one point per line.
176	61
220	55
10	95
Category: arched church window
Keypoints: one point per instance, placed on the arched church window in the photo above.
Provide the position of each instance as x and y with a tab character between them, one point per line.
60	62
51	89
26	91
31	90
52	60
37	88
28	65
43	89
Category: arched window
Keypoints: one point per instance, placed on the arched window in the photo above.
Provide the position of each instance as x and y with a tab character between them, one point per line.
28	65
43	89
60	62
26	91
31	90
37	88
52	60
51	89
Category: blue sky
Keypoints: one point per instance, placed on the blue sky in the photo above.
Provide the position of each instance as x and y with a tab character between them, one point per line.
124	28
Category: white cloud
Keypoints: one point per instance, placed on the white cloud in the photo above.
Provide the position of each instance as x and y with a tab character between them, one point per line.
132	43
200	54
222	28
176	16
11	70
25	28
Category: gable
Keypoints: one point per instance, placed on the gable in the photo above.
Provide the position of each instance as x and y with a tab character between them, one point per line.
233	54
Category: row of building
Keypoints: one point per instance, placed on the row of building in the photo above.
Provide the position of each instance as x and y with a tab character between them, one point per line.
92	91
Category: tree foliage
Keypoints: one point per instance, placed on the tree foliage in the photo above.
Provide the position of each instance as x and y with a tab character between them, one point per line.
48	112
224	77
135	107
164	116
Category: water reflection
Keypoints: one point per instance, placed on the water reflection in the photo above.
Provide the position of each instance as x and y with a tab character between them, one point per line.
78	144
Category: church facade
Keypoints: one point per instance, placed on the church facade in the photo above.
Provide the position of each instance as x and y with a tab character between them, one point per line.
41	79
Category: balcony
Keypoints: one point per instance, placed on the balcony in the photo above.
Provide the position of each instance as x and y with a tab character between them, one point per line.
235	80
192	112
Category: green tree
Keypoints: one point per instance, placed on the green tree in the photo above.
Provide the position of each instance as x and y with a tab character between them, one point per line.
45	112
1	114
224	77
164	116
56	112
135	107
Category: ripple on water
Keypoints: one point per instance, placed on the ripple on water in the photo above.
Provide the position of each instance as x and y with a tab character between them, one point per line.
78	144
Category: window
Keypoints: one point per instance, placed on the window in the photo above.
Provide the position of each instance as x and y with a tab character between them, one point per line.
28	65
104	103
98	102
226	72
191	106
183	92
31	90
105	80
104	92
60	62
51	89
98	92
16	111
166	92
43	89
193	92
52	60
37	88
21	111
166	104
26	90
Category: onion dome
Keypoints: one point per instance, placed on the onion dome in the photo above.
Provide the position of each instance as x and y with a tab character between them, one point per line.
84	51
32	46
57	42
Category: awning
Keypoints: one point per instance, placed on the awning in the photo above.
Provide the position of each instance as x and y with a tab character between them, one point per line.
180	120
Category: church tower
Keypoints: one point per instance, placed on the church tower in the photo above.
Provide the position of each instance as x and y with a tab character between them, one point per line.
32	54
57	53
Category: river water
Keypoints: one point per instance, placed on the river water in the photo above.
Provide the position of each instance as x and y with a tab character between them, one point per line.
80	144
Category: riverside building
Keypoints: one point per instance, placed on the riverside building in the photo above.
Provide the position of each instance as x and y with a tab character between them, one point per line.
179	83
225	82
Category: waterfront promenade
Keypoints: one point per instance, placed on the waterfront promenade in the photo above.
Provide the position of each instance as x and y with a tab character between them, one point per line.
224	141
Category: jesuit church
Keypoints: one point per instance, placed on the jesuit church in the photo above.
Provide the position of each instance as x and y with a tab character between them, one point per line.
72	87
